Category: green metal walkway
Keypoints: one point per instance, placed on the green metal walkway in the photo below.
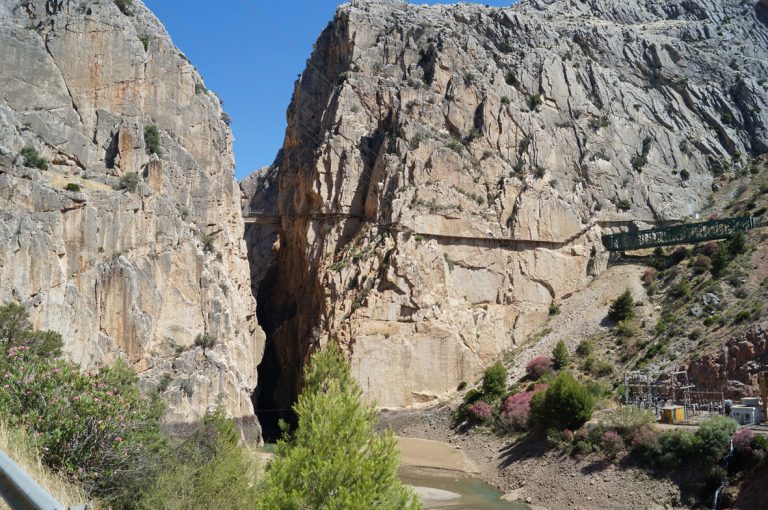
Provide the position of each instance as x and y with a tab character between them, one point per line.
678	234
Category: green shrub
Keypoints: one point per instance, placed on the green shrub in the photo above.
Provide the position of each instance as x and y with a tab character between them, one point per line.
200	88
685	174
627	420
623	205
32	158
125	6
356	469
720	260
226	118
205	469
129	182
505	100
566	404
208	245
72	186
603	369
627	328
560	356
683	287
534	101
144	41
675	448
98	430
596	123
713	438
585	348
205	341
737	244
152	139
494	381
638	162
622	308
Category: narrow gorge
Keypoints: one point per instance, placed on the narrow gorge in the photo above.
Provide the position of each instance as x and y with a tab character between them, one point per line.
448	172
444	182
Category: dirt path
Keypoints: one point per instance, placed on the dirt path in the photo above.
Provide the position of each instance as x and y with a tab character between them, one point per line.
583	314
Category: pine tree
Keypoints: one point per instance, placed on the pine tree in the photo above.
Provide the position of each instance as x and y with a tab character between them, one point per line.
623	307
335	458
560	356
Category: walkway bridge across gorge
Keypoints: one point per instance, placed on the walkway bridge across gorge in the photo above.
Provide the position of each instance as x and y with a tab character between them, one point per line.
688	233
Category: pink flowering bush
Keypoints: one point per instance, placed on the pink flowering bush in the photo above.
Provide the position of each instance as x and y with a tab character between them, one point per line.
83	423
516	408
648	276
481	411
612	443
538	366
742	439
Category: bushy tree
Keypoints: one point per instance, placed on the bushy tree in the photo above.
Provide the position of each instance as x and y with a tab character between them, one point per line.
335	458
32	158
494	381
560	356
623	307
152	139
566	404
713	438
129	182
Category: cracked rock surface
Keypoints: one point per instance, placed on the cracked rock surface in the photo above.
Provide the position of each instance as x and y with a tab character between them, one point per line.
448	171
119	273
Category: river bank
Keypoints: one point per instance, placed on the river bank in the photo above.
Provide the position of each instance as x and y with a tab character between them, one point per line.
526	471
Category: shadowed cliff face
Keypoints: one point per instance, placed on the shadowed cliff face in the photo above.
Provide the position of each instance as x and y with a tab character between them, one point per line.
135	274
289	294
448	171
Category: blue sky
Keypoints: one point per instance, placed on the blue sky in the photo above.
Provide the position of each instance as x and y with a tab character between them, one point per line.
250	53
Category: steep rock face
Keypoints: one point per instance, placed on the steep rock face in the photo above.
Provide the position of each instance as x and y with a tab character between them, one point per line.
118	273
734	368
447	171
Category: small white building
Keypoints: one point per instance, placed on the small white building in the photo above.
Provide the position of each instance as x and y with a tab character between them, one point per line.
745	415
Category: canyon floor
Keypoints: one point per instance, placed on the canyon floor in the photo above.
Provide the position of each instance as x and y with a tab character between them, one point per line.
526	471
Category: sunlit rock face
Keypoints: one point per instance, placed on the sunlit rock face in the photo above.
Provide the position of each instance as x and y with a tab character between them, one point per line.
137	275
448	171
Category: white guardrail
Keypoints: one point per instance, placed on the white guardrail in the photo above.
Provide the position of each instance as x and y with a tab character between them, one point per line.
21	492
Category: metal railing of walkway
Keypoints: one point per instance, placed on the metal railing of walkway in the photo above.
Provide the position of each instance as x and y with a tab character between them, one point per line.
689	233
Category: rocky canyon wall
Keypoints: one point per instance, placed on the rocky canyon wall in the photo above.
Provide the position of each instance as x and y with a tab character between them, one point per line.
119	273
448	171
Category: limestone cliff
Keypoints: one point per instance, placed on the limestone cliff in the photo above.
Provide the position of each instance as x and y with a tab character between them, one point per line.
137	272
447	171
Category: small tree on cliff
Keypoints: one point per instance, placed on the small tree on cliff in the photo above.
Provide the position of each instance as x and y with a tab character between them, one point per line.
560	356
335	458
623	307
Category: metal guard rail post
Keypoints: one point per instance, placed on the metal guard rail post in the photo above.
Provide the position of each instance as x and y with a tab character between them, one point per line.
21	492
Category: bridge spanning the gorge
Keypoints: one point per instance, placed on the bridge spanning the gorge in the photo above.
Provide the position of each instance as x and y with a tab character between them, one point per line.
687	233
